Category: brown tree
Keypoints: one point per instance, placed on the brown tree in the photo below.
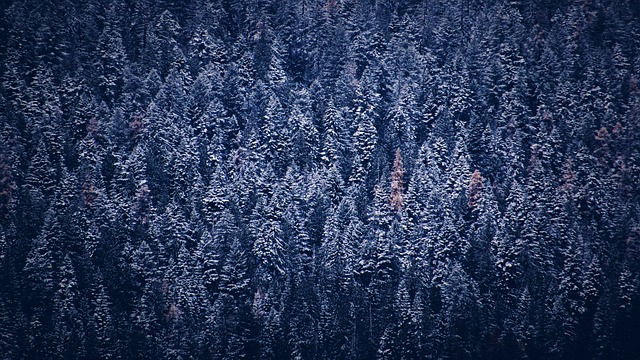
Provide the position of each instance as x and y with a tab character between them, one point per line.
476	184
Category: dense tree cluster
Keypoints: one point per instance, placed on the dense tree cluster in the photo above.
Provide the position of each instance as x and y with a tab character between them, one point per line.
319	179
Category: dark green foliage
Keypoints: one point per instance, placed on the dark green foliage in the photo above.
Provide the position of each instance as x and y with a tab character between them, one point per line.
301	179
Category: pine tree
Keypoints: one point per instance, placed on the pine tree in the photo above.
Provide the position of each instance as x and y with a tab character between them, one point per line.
365	139
68	332
505	247
163	50
276	135
101	326
206	48
335	142
234	326
305	138
486	229
234	277
397	182
112	58
41	264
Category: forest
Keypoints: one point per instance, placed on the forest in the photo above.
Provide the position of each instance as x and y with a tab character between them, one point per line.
320	179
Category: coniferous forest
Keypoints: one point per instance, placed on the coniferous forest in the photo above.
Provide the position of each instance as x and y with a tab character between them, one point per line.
319	179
